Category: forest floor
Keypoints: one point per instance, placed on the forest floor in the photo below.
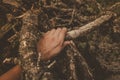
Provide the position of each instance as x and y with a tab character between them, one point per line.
100	47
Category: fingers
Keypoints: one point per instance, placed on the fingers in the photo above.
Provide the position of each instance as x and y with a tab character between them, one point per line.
57	35
52	32
62	34
57	32
66	43
47	33
59	48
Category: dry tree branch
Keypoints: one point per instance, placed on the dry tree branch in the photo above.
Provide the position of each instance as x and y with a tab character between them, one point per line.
83	30
89	27
114	5
114	8
82	62
12	2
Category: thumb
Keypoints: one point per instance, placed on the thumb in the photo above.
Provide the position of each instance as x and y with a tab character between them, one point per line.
66	43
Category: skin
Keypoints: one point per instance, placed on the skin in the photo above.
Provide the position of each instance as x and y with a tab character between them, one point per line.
13	74
49	46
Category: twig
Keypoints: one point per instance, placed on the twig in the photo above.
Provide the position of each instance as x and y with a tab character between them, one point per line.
83	30
72	17
11	60
99	5
58	9
114	5
5	29
89	27
73	75
12	2
14	38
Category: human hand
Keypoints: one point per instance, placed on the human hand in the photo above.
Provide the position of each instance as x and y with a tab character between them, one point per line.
52	43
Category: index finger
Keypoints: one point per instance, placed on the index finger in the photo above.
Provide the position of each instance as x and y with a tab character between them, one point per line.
62	34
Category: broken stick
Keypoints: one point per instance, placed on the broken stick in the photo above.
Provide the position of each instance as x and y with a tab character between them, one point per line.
89	27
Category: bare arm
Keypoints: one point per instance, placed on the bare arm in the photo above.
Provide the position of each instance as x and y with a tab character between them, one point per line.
13	74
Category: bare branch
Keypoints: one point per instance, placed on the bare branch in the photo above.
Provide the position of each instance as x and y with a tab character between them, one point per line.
89	27
12	2
114	6
72	66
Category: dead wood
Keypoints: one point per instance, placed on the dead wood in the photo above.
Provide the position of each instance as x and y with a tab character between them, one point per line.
83	30
89	27
27	48
72	66
14	38
12	2
5	29
114	6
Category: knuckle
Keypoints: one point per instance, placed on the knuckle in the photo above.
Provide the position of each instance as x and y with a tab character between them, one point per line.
64	28
58	28
53	29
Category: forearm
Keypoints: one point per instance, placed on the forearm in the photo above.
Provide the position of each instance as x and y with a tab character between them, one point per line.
13	74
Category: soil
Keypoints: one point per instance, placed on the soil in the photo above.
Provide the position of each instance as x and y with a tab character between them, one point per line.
100	48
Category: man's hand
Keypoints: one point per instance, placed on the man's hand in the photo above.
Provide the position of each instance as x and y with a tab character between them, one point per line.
52	43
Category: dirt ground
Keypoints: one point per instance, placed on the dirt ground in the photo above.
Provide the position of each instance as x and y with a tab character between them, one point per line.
100	47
